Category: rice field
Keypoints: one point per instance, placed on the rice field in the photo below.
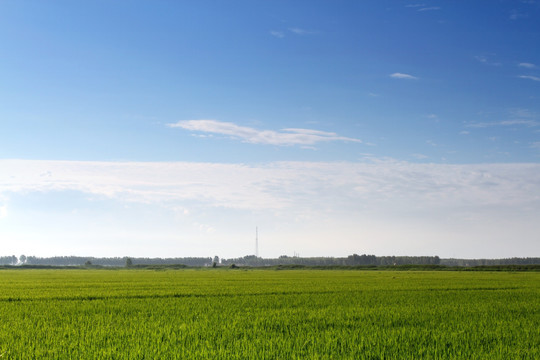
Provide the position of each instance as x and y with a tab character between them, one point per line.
268	314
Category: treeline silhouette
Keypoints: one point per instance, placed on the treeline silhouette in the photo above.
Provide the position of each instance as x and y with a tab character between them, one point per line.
351	260
254	261
491	262
106	261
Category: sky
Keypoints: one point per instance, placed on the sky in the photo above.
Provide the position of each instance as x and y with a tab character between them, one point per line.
174	129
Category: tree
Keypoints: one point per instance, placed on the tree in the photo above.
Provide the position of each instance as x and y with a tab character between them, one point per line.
88	263
129	262
22	259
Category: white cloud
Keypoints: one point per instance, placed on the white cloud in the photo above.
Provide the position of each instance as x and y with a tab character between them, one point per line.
516	14
299	31
278	34
321	207
483	59
285	137
519	122
423	7
403	76
295	30
433	117
522	113
278	184
518	117
530	77
430	8
527	65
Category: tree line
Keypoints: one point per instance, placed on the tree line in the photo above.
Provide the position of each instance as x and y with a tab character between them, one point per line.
491	262
351	260
252	260
105	261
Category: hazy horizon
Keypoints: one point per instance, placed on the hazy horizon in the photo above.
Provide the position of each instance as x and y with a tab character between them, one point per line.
164	129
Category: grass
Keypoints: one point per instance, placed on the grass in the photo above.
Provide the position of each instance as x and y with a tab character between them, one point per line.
261	314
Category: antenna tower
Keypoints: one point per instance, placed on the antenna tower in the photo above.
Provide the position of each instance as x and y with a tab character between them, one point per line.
256	241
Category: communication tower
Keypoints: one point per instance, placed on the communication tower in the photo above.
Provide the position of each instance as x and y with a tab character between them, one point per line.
256	241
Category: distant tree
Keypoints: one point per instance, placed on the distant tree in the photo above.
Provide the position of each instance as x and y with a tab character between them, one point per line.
88	263
22	259
129	262
216	259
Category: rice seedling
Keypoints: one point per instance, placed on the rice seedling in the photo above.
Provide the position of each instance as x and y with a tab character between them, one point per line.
234	314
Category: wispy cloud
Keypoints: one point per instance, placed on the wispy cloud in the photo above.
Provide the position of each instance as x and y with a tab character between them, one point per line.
481	59
529	77
484	59
324	202
293	30
429	8
299	31
527	65
403	76
423	7
519	122
284	137
520	113
516	14
516	117
278	184
278	34
529	123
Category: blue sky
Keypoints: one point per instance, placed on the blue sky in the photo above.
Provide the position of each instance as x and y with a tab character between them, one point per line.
162	128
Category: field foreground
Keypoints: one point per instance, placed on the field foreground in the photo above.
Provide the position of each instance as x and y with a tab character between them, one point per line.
258	314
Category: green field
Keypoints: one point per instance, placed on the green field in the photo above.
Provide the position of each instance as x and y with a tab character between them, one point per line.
268	314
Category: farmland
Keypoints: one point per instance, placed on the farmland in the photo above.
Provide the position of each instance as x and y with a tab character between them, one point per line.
268	314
